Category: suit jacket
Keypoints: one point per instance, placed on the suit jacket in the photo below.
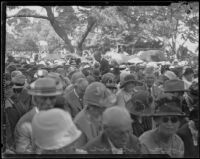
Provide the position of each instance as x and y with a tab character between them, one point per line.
23	132
72	103
191	151
89	129
101	145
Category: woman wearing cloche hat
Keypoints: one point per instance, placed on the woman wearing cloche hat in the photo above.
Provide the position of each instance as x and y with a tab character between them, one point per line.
163	139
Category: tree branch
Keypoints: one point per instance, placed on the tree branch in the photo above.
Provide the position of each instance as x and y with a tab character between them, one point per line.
58	29
91	23
26	16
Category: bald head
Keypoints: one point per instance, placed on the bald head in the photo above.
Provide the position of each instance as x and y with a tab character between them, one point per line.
116	117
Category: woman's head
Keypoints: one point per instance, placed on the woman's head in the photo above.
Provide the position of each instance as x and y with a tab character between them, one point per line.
168	114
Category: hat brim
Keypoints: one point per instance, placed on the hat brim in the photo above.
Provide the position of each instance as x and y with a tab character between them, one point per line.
14	86
44	94
130	81
168	114
147	112
171	91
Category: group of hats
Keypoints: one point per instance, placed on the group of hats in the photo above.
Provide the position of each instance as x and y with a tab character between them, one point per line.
140	103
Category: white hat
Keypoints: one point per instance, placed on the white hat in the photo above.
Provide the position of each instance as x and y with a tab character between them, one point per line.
54	129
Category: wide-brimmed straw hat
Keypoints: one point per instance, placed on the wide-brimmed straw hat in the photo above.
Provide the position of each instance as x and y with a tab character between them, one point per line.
129	79
54	129
45	87
174	85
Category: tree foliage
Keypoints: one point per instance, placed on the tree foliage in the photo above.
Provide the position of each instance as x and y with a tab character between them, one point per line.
102	27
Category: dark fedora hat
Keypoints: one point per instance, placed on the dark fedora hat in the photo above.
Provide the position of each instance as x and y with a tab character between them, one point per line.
168	106
130	78
174	85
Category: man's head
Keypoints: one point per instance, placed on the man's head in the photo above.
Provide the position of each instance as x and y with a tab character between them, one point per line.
80	86
44	91
97	98
117	125
188	73
149	79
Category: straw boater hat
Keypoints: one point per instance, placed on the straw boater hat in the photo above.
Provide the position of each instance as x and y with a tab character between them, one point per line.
168	106
45	87
129	79
174	85
54	129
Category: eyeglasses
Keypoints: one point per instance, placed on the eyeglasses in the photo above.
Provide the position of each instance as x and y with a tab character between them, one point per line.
173	119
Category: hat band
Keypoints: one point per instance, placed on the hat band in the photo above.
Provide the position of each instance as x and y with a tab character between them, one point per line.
47	90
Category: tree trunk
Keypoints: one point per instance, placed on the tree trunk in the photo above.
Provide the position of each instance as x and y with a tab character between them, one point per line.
91	23
58	29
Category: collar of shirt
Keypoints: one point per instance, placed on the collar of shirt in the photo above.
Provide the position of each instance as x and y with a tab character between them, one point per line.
114	149
76	93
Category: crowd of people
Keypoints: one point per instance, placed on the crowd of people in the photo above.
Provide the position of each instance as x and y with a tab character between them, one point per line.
99	108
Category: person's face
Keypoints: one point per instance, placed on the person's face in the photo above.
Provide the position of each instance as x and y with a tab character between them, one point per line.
149	81
178	94
81	88
168	124
129	87
45	102
119	136
189	77
96	113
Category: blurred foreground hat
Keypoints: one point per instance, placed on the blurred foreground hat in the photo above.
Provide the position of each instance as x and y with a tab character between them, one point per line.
112	115
54	129
174	85
97	94
129	79
45	87
140	104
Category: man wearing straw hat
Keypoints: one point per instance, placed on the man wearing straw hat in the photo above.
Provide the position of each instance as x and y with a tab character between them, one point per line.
44	92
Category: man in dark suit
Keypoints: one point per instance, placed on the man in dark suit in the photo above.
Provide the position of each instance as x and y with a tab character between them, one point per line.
116	137
73	99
